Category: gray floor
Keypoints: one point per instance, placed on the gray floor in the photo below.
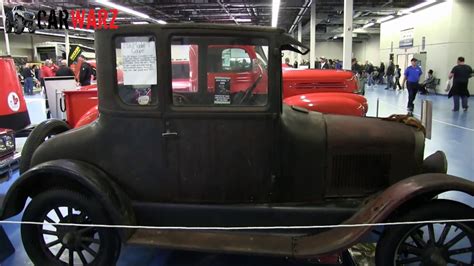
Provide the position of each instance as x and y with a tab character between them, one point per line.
453	132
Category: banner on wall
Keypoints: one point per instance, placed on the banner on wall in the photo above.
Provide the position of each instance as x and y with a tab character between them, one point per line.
406	38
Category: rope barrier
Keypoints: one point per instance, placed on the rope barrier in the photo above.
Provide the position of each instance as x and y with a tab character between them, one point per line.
239	228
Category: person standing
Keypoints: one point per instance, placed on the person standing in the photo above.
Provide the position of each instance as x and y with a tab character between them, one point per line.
412	77
390	72
460	74
398	74
27	74
64	70
85	73
381	73
369	68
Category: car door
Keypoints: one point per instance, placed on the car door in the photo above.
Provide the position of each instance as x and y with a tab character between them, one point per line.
220	141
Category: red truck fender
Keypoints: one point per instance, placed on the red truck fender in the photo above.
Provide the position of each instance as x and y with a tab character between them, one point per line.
333	103
88	117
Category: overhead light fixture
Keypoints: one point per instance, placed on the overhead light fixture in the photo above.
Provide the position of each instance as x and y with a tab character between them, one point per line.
140	22
275	11
368	25
127	10
421	5
385	19
243	20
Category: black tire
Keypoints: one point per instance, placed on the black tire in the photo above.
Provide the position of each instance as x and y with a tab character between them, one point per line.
428	248
19	25
8	24
40	133
89	245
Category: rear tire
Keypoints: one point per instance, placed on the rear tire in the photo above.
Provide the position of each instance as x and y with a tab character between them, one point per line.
8	24
49	244
429	244
41	132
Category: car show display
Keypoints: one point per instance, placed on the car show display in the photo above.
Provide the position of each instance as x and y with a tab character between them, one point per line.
198	125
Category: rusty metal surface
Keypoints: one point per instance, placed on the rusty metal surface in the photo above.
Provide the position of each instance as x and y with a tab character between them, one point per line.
218	241
377	211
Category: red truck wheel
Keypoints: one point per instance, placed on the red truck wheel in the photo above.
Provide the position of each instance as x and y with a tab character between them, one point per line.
41	132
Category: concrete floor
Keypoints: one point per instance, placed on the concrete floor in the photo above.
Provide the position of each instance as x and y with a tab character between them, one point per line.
452	132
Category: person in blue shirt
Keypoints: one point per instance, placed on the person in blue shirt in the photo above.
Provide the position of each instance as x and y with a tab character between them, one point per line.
412	77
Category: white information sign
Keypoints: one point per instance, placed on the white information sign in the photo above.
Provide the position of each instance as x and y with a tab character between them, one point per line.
139	63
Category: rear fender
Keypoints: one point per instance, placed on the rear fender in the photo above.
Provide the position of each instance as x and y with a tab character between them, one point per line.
379	209
74	175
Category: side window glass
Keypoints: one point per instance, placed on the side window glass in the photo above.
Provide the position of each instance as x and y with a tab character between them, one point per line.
234	72
136	65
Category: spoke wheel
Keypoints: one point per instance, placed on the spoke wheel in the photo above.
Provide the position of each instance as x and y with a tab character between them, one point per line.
56	244
429	244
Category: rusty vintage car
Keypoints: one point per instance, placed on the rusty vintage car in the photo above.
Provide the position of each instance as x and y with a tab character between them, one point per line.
219	157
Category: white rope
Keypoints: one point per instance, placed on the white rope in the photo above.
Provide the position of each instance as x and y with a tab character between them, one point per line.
238	228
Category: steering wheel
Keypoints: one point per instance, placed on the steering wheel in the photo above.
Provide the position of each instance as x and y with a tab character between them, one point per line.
179	99
248	92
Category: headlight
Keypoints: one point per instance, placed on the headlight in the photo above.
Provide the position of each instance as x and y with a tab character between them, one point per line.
3	147
9	142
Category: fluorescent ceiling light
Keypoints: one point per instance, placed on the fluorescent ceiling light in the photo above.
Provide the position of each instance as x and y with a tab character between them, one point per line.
385	19
122	8
243	20
413	8
368	25
275	11
140	22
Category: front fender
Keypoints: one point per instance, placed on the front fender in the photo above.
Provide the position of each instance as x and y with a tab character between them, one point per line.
379	209
74	175
330	103
89	117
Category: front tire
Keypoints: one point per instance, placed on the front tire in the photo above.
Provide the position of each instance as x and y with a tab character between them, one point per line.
429	244
19	25
40	133
50	244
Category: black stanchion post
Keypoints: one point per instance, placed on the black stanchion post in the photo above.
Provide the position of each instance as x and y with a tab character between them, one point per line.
6	247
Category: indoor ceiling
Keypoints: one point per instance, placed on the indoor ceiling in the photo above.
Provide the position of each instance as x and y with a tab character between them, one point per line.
329	15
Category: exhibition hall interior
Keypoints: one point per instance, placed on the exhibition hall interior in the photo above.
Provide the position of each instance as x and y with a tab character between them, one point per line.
237	132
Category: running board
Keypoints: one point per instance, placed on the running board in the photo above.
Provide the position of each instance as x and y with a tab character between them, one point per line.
216	241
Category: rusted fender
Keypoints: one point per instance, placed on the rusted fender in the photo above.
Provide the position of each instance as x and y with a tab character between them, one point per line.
378	210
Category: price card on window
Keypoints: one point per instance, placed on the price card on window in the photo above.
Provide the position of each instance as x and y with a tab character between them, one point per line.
222	90
139	63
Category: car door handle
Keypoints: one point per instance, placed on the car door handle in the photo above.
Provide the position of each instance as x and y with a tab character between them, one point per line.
169	134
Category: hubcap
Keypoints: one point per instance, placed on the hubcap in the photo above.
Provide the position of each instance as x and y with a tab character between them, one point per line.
65	243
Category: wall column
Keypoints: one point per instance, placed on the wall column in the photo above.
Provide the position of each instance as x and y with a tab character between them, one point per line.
347	35
300	29
312	36
4	17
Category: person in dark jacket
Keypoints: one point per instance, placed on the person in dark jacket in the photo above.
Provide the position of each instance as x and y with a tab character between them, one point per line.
28	78
390	72
460	74
381	73
85	74
64	70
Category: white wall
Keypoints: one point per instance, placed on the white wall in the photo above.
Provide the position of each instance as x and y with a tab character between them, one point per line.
366	50
449	33
369	50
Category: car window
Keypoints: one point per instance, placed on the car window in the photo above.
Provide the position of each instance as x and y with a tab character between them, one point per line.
219	71
136	65
20	8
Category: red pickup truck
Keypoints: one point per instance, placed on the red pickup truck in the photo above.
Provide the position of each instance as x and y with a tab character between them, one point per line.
325	91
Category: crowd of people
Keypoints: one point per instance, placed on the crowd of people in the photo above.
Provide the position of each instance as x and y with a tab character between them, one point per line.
33	74
411	80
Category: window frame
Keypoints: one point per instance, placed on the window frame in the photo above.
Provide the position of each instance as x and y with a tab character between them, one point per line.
213	108
154	88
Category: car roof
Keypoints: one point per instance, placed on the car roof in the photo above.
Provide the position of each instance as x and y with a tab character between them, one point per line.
207	26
